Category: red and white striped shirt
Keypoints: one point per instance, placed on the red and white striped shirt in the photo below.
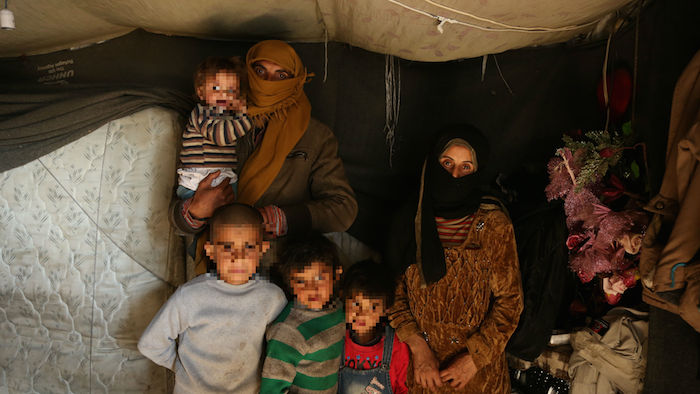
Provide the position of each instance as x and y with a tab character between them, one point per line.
453	232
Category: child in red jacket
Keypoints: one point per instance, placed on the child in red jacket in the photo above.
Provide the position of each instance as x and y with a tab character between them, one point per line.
374	360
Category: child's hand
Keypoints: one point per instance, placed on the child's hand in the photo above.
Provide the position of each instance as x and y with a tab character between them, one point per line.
426	368
460	371
208	199
238	106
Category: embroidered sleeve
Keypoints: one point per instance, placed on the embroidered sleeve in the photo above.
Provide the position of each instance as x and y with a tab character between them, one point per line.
400	313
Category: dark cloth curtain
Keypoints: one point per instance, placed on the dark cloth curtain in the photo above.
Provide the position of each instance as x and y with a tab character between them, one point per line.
36	121
541	238
400	248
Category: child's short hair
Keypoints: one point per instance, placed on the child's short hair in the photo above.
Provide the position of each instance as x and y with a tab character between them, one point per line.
214	64
236	213
370	278
300	253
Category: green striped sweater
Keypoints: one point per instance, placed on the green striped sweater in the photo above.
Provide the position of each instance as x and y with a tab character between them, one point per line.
303	351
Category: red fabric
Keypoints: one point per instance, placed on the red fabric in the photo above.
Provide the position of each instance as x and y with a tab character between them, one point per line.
619	92
274	219
371	357
191	221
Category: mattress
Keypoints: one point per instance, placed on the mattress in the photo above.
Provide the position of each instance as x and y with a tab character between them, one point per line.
87	257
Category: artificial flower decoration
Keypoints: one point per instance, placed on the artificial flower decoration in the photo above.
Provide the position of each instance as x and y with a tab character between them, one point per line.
601	241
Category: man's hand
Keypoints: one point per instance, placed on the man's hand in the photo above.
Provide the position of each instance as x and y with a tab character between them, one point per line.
426	368
208	199
460	371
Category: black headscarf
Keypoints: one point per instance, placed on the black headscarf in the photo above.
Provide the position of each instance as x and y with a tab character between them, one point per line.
446	196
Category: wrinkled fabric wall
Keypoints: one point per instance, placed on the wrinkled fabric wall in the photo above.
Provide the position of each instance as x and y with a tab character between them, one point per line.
553	91
405	28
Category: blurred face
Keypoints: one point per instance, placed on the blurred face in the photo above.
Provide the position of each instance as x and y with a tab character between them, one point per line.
220	90
271	71
458	160
313	286
363	312
236	249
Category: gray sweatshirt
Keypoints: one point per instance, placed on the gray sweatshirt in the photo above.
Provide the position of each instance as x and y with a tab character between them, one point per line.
219	330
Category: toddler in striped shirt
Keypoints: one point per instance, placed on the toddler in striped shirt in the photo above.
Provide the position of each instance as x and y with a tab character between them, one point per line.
214	126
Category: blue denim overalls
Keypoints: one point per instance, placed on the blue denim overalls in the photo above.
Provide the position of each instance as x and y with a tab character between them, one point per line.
372	381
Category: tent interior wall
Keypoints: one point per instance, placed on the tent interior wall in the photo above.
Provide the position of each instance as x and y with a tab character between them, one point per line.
553	91
524	103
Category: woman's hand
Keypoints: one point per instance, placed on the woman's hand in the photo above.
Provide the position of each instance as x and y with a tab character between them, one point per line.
207	199
426	368
460	371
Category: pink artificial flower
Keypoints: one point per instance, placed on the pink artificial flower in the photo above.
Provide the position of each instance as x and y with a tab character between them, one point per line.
585	276
574	241
630	276
560	183
612	299
615	285
614	191
578	207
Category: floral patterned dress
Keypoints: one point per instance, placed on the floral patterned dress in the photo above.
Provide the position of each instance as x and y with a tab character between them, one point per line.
474	308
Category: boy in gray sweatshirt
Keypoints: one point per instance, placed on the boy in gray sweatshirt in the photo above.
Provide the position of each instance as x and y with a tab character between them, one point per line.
211	330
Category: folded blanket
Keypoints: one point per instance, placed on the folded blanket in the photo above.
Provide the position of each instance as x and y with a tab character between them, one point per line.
38	120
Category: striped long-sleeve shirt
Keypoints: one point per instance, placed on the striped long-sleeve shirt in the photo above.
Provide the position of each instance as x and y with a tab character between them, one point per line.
453	232
209	140
303	351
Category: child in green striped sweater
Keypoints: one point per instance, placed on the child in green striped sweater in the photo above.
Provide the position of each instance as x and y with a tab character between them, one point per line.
306	340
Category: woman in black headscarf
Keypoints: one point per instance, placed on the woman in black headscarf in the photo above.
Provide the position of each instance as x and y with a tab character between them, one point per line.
460	297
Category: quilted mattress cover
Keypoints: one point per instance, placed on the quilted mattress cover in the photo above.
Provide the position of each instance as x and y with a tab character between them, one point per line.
87	257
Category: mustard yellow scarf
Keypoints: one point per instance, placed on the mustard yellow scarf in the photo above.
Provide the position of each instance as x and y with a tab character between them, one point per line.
286	109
